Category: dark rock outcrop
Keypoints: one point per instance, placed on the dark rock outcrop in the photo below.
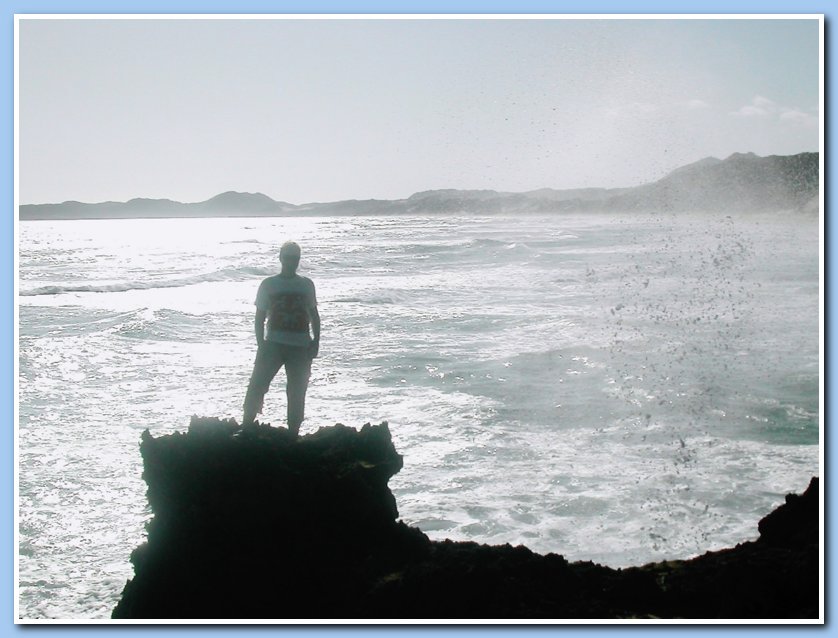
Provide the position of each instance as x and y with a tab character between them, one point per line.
258	524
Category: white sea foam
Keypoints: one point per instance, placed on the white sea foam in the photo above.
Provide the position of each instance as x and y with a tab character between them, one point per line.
225	274
618	389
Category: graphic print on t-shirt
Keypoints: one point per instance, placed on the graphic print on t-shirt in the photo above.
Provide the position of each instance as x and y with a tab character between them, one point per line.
288	312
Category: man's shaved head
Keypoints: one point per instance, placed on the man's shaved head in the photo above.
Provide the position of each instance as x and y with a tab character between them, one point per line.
289	256
289	248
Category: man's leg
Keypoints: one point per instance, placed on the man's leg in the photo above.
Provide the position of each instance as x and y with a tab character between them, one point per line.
297	371
267	364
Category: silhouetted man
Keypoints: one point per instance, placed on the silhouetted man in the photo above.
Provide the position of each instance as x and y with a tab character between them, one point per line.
289	303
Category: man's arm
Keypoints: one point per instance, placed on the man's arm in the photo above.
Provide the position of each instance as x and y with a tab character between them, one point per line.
314	315
259	326
315	322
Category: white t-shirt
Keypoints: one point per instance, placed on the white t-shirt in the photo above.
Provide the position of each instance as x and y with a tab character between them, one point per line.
287	301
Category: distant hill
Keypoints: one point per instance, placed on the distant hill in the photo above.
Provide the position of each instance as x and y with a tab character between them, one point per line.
230	204
742	182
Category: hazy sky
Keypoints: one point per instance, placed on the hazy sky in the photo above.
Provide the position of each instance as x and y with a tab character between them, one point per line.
323	110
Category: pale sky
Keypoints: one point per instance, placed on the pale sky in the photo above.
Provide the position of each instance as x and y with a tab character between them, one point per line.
324	110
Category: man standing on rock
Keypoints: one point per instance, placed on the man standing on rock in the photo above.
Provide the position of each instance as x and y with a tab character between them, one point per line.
289	303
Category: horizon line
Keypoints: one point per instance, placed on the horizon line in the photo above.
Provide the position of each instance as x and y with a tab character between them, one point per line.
426	190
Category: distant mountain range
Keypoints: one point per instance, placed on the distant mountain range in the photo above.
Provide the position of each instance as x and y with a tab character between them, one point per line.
742	182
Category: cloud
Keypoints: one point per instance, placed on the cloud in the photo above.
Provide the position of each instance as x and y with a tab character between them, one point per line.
799	118
751	111
759	107
763	107
763	102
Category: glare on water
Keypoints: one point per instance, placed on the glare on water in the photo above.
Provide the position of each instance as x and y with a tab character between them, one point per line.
619	389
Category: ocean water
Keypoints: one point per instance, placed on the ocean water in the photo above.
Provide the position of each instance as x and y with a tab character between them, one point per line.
619	389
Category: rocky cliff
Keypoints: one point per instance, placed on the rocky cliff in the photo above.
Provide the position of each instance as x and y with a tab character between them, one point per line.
258	524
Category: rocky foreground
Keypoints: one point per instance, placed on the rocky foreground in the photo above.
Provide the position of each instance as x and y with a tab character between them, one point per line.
257	524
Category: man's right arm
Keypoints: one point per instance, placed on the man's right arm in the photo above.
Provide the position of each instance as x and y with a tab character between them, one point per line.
261	312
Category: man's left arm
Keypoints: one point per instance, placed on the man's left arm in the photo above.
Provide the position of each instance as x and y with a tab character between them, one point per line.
314	315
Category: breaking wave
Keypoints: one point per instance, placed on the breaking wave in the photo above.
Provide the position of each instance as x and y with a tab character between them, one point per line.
225	274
